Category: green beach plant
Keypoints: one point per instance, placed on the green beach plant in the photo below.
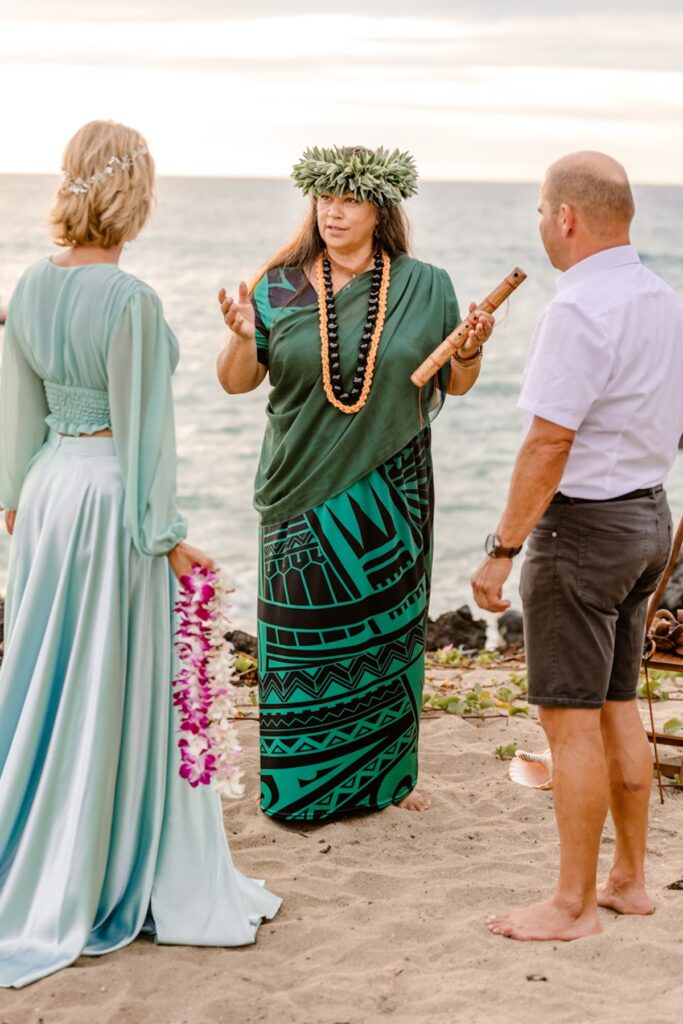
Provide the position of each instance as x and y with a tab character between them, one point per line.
657	691
452	656
485	658
475	703
244	663
505	699
507	752
470	703
519	680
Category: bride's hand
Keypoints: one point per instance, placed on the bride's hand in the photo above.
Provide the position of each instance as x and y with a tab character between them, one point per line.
10	516
238	313
183	557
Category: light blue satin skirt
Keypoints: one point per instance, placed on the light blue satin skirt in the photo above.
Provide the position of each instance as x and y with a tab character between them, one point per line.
99	836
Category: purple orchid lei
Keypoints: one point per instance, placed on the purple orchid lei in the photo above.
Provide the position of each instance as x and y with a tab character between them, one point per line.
203	690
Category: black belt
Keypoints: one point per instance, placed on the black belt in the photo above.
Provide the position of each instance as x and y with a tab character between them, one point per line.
644	492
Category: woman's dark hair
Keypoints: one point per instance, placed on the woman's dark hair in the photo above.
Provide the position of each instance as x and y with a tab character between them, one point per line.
391	234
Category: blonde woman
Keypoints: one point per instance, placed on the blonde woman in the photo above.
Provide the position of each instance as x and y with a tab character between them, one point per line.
99	836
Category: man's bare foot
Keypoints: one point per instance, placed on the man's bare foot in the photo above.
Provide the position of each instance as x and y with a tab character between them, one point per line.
625	898
543	922
414	802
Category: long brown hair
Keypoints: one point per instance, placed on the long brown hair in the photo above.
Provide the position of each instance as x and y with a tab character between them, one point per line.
392	233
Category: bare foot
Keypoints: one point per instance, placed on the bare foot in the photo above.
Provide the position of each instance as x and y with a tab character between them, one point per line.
414	802
543	922
625	898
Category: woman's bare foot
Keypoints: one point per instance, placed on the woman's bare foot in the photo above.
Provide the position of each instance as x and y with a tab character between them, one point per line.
625	898
543	922
414	802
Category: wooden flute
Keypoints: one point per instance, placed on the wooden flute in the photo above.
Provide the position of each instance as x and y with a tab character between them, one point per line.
440	356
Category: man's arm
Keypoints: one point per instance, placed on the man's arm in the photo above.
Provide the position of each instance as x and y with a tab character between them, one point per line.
536	477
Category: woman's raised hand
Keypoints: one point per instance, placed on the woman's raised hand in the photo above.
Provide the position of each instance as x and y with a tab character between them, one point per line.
238	313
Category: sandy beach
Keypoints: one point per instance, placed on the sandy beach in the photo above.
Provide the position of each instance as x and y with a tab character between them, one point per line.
383	917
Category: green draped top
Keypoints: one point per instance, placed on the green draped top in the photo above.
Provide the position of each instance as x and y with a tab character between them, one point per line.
312	451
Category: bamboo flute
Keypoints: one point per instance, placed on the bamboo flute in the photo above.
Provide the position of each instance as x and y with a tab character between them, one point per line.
440	356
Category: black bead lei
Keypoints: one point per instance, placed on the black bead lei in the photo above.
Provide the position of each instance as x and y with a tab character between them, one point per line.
350	396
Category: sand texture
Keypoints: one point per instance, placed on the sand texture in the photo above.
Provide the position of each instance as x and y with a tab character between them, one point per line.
383	917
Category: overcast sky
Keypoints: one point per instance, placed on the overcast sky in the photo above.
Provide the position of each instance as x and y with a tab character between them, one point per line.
480	90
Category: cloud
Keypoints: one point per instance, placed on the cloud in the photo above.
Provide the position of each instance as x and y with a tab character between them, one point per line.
480	97
215	10
437	45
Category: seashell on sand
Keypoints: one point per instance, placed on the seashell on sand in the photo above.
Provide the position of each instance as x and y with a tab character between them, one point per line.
533	770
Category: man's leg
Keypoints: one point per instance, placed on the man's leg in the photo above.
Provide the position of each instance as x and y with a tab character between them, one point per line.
627	750
629	763
581	797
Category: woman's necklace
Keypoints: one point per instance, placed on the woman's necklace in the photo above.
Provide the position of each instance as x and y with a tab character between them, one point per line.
355	398
348	271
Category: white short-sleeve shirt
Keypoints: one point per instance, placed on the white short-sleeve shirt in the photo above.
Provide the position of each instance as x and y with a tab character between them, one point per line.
606	360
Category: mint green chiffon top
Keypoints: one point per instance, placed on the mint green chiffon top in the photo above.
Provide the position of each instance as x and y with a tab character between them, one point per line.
75	410
87	348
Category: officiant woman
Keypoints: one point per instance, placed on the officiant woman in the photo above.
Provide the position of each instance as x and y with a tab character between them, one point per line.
338	319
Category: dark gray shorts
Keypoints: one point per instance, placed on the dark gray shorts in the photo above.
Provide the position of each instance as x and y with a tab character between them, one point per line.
588	572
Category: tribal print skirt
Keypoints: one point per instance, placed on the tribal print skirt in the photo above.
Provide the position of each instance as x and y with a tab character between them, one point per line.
343	595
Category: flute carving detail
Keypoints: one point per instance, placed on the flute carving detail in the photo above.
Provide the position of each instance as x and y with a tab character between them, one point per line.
440	356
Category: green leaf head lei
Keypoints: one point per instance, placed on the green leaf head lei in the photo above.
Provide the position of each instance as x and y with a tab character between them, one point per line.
377	176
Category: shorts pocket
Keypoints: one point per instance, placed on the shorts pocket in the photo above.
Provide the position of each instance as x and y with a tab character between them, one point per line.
666	545
538	567
542	541
610	563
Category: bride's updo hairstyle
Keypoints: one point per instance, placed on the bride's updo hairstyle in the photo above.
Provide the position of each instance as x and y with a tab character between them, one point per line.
107	192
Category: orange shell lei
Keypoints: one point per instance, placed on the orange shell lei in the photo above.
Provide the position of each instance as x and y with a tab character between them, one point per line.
374	344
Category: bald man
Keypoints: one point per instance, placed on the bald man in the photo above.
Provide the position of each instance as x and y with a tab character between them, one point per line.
602	396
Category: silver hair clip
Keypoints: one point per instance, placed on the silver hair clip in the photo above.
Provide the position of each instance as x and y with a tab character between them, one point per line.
79	186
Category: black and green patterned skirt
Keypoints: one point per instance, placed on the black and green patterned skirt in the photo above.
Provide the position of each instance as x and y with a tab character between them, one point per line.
343	594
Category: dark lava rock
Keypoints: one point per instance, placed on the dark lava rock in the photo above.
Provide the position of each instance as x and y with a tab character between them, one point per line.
673	595
511	627
243	642
457	628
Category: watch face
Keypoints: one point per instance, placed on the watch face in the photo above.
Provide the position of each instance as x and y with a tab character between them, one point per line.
492	543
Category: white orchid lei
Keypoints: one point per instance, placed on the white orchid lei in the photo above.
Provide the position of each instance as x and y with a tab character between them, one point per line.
203	690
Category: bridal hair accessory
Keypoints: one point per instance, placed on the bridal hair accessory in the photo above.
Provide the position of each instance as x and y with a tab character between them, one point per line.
203	689
79	186
377	176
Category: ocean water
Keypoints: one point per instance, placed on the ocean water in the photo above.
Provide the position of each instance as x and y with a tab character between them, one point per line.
212	232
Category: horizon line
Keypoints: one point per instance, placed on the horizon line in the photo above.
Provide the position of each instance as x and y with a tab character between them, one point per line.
427	179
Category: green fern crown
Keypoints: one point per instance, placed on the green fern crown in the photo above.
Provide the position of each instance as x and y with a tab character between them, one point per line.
376	176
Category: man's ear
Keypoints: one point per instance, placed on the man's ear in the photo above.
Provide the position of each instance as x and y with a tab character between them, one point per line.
567	215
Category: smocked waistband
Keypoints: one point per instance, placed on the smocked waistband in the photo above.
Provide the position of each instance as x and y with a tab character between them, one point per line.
76	410
101	446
